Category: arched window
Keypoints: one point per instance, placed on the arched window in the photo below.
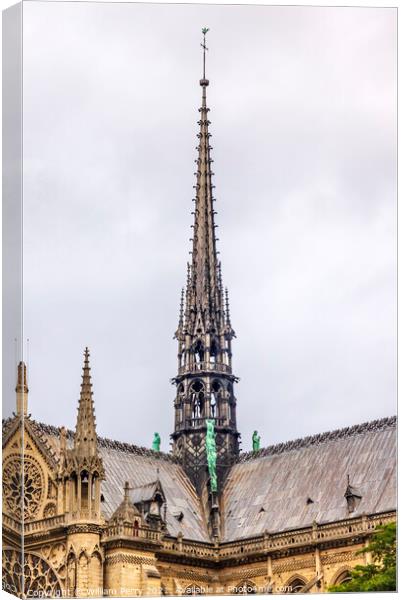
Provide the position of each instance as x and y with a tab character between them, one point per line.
197	398
179	404
213	352
199	352
216	397
296	585
84	488
246	587
343	577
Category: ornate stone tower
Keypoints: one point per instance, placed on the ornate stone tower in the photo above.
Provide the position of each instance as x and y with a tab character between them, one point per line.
81	472
204	383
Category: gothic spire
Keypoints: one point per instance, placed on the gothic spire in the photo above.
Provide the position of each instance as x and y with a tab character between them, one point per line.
85	438
205	381
203	294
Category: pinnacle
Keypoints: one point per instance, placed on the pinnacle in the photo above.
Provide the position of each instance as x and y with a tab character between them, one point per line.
21	378
85	439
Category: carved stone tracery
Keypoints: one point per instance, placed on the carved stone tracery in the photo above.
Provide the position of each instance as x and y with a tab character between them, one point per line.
36	579
23	487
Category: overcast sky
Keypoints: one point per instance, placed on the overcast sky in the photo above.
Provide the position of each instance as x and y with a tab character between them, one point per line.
303	111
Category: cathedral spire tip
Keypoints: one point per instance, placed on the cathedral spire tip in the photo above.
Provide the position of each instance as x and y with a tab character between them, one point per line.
85	439
22	389
204	82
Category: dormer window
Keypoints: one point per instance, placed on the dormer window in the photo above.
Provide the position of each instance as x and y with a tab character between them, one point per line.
352	496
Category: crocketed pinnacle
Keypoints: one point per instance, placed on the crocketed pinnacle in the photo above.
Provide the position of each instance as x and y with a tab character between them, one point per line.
204	307
21	386
85	438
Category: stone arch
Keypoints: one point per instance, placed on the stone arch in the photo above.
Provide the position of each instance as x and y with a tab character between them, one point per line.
295	584
193	590
198	351
342	575
215	398
214	350
197	396
95	573
83	556
39	580
49	510
71	582
246	587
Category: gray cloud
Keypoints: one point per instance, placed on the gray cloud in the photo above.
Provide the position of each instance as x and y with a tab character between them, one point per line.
303	111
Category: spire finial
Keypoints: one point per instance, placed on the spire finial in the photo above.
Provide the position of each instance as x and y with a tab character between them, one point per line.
85	439
204	81
22	389
21	378
126	490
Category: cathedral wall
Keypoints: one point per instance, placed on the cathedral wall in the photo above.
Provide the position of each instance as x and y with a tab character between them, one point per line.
235	579
130	573
335	562
301	569
84	562
181	579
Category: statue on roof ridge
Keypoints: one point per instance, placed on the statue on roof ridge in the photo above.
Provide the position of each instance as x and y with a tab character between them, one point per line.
255	441
156	442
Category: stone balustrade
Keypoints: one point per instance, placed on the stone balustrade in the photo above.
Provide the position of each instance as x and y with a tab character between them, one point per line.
128	531
263	544
267	543
205	366
44	524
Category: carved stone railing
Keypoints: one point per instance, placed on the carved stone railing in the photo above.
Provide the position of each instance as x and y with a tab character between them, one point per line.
308	535
201	421
44	525
262	545
128	531
240	547
205	366
12	523
190	548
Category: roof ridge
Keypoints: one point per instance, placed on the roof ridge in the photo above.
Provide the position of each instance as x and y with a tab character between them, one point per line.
103	441
319	438
296	444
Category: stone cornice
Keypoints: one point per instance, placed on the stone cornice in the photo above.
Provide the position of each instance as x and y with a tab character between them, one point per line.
85	528
121	557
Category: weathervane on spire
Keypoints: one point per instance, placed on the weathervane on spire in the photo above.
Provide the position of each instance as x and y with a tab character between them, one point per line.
203	45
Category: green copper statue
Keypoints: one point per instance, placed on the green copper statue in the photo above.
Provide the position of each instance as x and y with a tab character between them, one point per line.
255	441
156	442
211	454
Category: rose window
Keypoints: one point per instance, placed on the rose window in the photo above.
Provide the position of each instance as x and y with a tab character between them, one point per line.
22	487
37	578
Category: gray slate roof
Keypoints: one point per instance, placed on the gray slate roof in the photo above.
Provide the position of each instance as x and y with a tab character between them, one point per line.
140	470
141	467
264	491
269	491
